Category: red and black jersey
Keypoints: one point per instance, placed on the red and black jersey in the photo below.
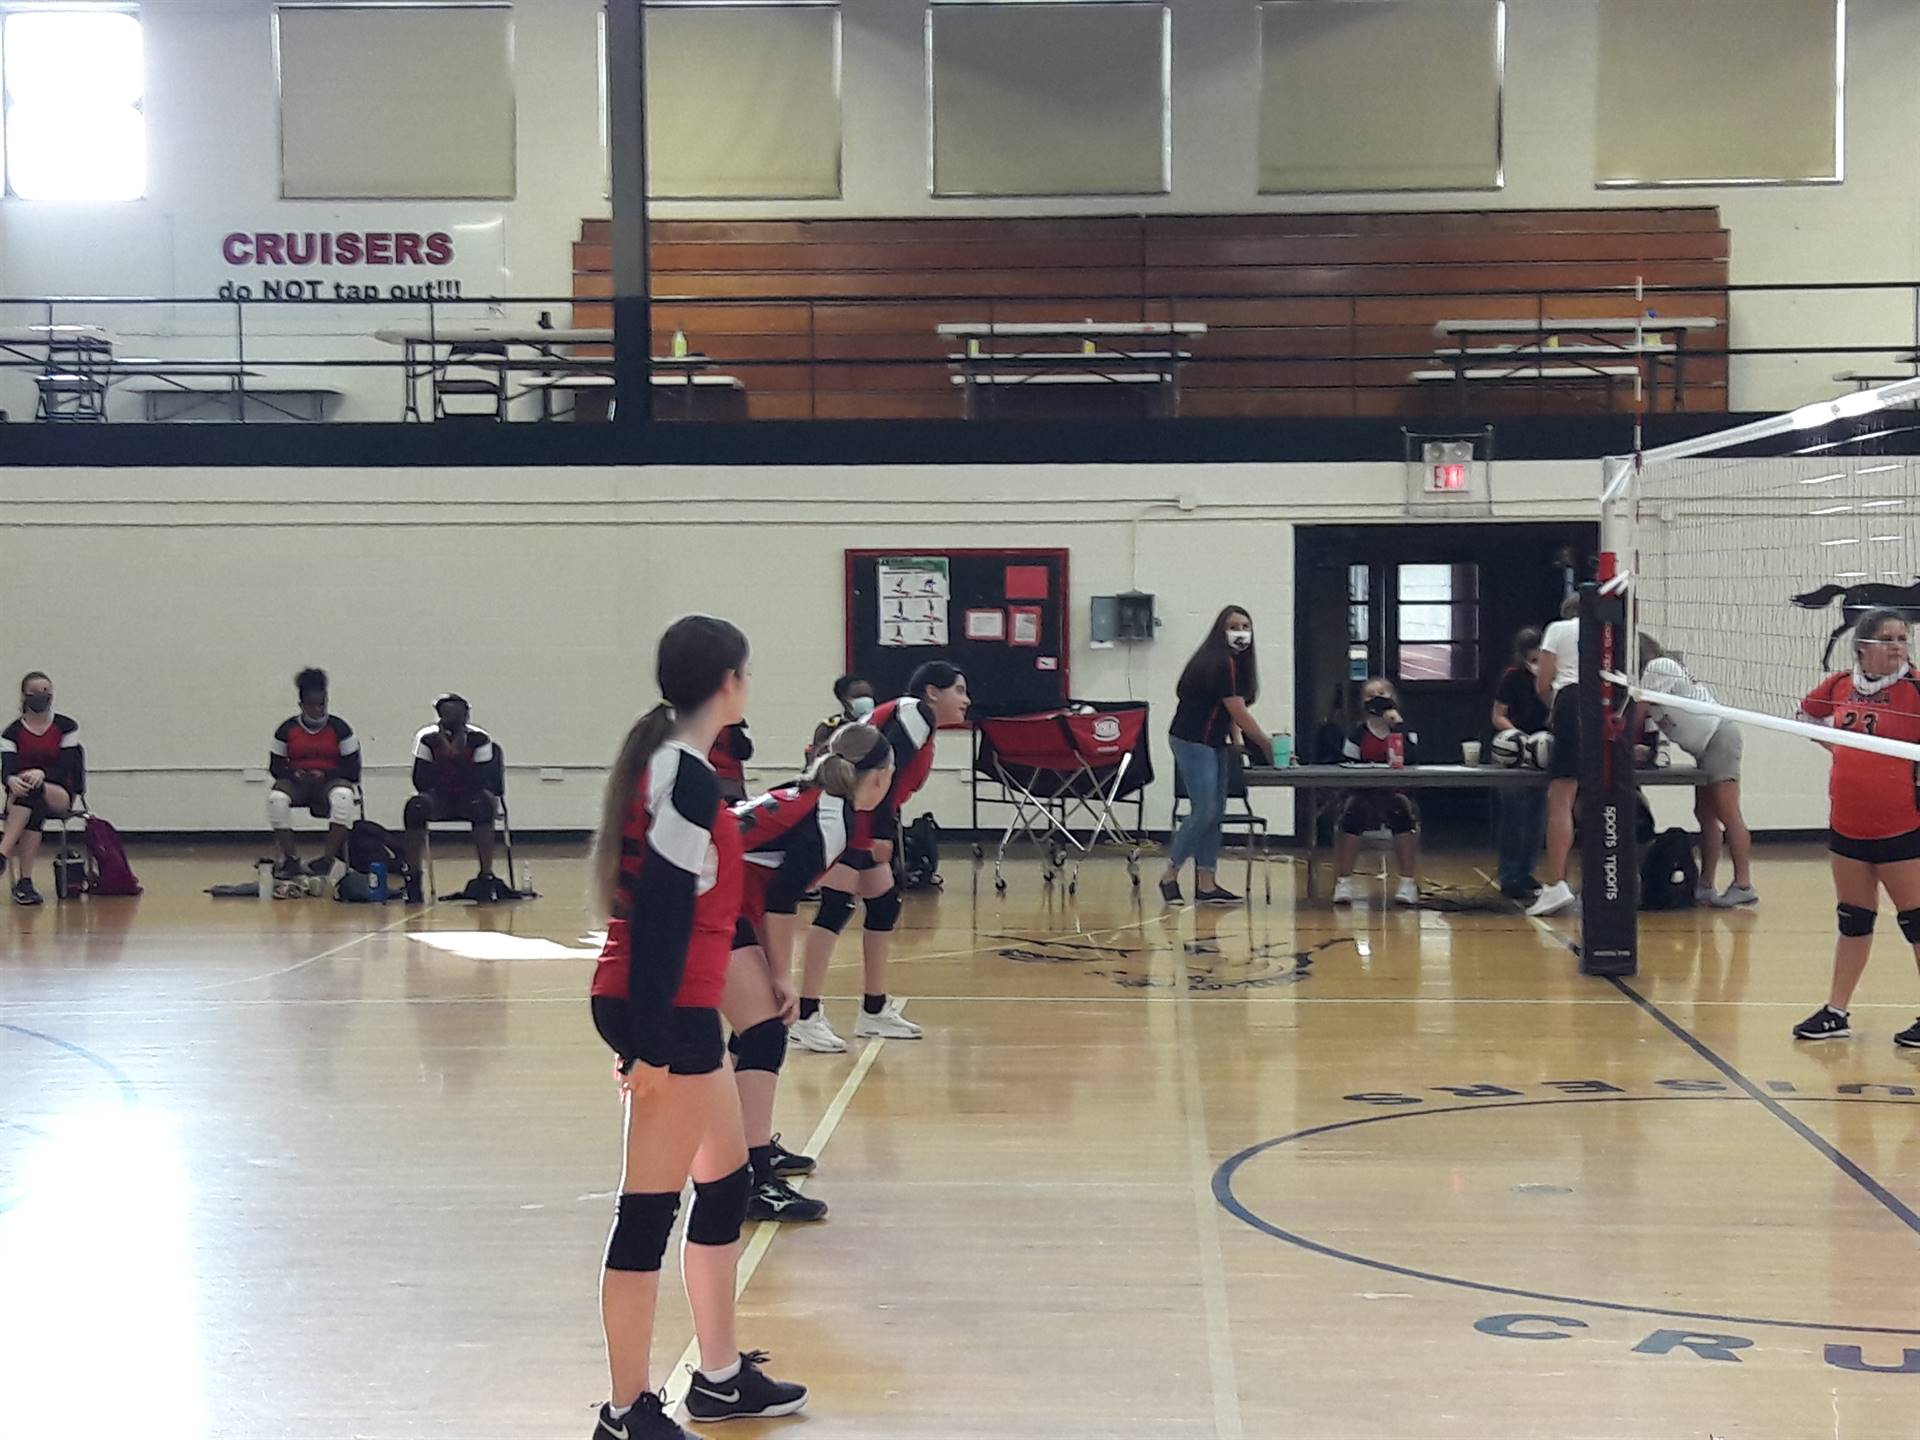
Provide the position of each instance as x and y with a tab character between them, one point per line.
54	751
732	748
442	767
1363	747
908	726
333	750
793	836
672	931
1870	796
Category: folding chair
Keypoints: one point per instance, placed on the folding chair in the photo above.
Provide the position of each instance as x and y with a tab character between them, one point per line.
1246	818
73	385
70	831
472	371
496	780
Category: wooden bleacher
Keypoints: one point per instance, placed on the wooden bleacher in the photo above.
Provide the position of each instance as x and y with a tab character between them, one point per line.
1296	305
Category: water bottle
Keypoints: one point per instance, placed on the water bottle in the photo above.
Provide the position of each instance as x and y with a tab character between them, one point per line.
378	875
1282	750
263	873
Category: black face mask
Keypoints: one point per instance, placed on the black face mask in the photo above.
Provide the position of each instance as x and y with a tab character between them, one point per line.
1379	704
37	704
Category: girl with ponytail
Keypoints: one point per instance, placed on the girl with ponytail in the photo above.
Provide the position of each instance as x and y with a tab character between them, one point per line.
792	836
666	875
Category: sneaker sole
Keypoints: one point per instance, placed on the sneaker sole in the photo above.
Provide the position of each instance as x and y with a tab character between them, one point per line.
816	1047
1913	1044
772	1412
1830	1035
785	1217
889	1034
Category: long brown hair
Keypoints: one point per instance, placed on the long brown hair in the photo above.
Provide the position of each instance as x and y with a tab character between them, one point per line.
696	655
1215	660
836	769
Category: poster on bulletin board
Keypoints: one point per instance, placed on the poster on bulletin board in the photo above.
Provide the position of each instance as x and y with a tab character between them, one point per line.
1000	615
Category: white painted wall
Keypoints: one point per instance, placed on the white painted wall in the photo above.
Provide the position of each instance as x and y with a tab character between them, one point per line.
212	131
539	594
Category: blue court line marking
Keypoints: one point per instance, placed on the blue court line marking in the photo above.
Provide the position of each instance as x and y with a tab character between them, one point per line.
129	1092
1894	1205
1223	1193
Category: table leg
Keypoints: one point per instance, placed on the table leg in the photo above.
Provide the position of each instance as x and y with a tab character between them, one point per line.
1680	370
1312	798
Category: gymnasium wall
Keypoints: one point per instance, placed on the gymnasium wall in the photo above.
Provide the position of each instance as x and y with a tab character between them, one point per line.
539	594
212	132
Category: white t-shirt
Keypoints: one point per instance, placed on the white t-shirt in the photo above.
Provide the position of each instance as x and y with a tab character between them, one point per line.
1562	639
1684	728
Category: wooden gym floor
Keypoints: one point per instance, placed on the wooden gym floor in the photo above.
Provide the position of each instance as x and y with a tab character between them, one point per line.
300	1169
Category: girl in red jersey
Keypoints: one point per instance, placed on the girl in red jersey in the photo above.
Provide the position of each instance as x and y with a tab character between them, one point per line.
666	872
44	772
792	837
936	696
1875	811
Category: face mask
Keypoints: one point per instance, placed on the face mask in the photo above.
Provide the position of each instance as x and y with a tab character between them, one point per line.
1533	667
1239	639
860	706
311	726
37	704
1378	704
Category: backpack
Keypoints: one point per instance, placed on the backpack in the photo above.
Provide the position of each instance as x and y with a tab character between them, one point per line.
920	854
369	844
112	875
1668	874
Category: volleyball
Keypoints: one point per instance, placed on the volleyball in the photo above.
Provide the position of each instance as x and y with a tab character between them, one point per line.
1539	748
1509	749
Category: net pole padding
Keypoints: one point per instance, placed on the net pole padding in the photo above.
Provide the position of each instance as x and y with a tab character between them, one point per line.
1609	868
1805	729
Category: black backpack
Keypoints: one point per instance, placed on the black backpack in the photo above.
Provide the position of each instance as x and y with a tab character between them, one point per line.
1668	873
920	854
369	844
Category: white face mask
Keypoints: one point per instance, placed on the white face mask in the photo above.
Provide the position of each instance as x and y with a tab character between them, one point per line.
1240	639
860	706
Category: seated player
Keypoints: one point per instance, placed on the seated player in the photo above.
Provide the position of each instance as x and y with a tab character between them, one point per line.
452	780
792	837
315	763
1372	742
729	757
1874	812
45	774
854	697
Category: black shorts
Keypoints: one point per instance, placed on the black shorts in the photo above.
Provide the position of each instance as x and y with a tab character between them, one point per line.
1565	725
1379	810
745	937
437	805
695	1046
1890	850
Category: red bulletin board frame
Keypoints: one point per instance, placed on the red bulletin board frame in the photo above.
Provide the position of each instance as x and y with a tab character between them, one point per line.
1012	556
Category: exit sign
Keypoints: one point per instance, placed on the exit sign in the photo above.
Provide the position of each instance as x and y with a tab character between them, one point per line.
1450	476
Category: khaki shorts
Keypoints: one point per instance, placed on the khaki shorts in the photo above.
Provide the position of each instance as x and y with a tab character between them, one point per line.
1720	761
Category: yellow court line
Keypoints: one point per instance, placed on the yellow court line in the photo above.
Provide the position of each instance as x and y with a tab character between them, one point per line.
757	1247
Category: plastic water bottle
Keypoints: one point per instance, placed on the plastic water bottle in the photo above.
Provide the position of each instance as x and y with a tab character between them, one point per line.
1396	751
1282	750
263	874
378	875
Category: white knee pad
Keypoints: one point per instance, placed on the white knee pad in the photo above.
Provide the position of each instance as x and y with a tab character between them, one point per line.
279	809
340	806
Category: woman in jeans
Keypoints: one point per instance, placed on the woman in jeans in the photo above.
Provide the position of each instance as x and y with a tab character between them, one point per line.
1219	684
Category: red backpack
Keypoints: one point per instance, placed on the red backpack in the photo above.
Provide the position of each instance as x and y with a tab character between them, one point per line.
112	875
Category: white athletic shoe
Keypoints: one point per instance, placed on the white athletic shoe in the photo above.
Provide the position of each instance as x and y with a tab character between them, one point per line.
1734	896
1554	899
816	1035
1408	893
889	1024
1343	890
1704	895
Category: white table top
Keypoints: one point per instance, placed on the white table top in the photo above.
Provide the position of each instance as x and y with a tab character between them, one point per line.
607	382
1653	324
1529	372
490	335
1540	348
1069	377
1076	357
1093	328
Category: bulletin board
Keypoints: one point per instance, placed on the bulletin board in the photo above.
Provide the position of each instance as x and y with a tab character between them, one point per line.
999	615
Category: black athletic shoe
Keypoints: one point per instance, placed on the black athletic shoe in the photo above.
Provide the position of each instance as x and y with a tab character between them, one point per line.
25	894
1527	890
1170	892
415	895
289	869
775	1199
785	1162
647	1420
1216	896
321	866
1909	1038
750	1395
1826	1023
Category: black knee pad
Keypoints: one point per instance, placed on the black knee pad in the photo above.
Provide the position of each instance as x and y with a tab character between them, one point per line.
760	1047
480	810
836	908
640	1229
1910	926
719	1209
418	811
36	803
1855	920
883	912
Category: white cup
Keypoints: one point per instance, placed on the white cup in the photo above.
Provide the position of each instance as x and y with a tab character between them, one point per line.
1470	752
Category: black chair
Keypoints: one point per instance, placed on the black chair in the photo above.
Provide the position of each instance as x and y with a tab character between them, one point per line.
1245	818
496	781
475	371
73	386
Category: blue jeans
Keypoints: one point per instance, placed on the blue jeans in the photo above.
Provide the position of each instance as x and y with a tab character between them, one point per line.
1203	772
1522	821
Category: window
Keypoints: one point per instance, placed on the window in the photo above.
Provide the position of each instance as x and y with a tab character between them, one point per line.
1065	98
396	101
74	87
1438	617
1359	622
